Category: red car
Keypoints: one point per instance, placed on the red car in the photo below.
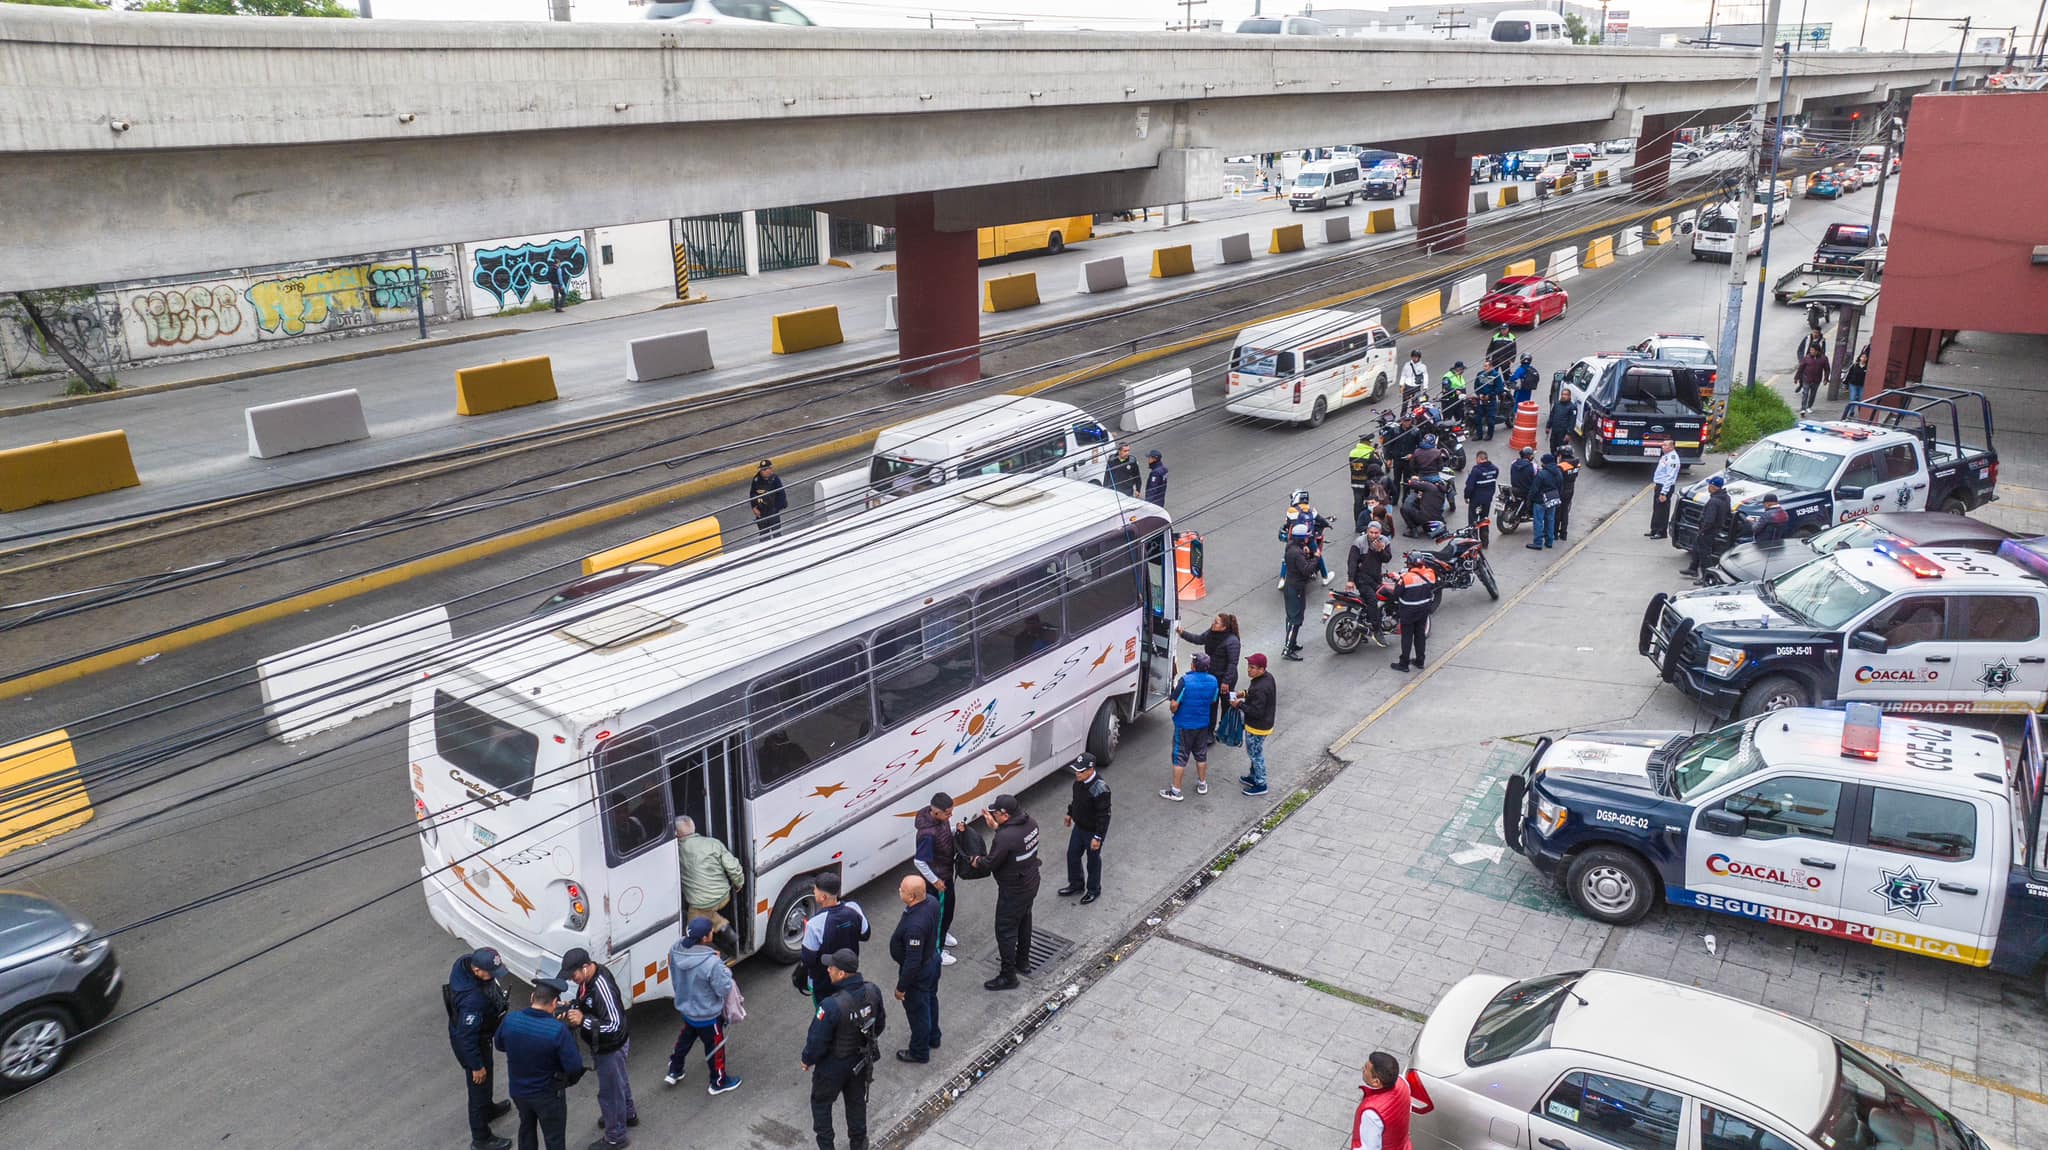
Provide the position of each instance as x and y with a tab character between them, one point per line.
1523	301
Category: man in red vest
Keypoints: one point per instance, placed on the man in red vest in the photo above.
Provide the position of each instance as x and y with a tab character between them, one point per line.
1382	1119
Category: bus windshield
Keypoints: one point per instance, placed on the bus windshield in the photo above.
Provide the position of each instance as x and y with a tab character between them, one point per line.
484	746
1309	180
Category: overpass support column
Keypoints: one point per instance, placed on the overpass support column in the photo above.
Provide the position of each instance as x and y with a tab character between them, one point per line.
1653	154
1446	190
938	317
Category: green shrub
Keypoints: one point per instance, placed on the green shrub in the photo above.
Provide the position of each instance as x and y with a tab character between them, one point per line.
60	3
1753	412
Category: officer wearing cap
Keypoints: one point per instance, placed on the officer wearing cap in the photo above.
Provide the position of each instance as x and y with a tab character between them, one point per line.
842	1048
1155	478
1365	467
1088	815
768	499
476	1005
1013	859
597	1011
541	1061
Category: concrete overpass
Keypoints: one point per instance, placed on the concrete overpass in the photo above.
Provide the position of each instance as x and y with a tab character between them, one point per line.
132	145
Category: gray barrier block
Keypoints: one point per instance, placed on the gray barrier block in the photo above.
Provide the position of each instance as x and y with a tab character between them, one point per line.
1480	202
1106	274
889	314
303	424
1414	215
1336	229
662	356
1235	249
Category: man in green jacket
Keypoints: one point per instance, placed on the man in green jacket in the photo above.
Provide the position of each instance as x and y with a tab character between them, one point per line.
710	876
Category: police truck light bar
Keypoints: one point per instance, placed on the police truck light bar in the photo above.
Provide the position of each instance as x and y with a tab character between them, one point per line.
1920	565
1860	725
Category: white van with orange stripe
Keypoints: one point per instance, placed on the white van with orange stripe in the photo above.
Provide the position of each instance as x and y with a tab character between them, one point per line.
1301	368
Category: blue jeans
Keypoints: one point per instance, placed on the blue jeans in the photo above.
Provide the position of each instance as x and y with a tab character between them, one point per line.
1545	519
1855	393
614	1093
921	1008
1255	750
1081	856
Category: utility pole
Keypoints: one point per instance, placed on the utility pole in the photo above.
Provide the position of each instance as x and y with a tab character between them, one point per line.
1884	167
1447	22
1187	18
363	9
1738	259
1763	259
1711	4
558	11
419	288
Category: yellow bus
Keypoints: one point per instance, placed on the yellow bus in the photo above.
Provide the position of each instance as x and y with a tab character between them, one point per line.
1038	235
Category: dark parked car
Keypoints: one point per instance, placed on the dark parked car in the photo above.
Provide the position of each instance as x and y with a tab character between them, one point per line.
56	981
1745	562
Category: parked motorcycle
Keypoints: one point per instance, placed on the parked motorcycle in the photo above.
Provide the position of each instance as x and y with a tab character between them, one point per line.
1459	560
1347	623
1511	510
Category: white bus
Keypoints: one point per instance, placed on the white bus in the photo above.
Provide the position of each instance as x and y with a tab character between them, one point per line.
799	702
1301	368
994	435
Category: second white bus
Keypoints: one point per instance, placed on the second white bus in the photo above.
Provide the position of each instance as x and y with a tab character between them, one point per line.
1300	369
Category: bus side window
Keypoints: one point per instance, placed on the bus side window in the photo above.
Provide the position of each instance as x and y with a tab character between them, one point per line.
1102	583
922	662
808	712
1089	433
635	801
1018	618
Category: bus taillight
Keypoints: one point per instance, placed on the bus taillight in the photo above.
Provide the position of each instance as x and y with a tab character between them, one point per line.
579	908
1297	391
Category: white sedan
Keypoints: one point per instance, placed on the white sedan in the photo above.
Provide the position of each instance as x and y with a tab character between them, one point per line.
1602	1060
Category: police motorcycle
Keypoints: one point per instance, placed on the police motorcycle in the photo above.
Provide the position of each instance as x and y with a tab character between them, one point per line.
1347	623
1459	559
1511	509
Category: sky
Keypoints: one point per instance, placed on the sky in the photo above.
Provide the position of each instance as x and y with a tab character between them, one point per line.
1847	16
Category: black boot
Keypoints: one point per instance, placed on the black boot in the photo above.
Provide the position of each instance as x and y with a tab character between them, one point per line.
1004	981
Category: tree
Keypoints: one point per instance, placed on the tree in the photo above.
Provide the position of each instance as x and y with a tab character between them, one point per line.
65	352
330	8
1575	28
61	3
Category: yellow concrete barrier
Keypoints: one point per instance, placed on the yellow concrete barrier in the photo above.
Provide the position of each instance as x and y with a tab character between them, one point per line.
692	540
65	469
1599	253
1660	231
57	804
1379	221
1521	268
1008	293
1286	238
1422	311
502	386
1564	183
1510	196
1174	261
806	330
1600	178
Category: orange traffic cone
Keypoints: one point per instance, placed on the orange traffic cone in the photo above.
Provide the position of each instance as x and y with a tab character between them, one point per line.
1524	434
1187	565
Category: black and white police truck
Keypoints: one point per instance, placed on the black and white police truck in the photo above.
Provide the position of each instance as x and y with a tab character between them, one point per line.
1899	833
1929	630
1886	454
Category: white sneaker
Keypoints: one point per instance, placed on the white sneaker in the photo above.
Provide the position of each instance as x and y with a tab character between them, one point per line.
1282	584
671	1079
951	941
1327	578
946	958
1171	794
1201	788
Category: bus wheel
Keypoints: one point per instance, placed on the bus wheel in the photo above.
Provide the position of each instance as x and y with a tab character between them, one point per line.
798	903
1105	733
1379	388
1055	243
1319	412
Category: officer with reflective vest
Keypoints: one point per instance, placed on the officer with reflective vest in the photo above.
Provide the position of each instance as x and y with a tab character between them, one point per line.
1453	387
1365	467
842	1048
1413	602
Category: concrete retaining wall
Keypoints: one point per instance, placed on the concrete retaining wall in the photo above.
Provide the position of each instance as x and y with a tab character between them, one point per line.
663	356
333	681
303	424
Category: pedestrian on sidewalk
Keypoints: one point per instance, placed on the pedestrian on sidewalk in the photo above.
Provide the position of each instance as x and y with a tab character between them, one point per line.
541	1061
1122	476
1545	496
915	947
1088	815
1222	644
1299	571
701	980
1155	478
710	875
1853	378
1381	1122
1415	604
838	925
1813	371
1663	482
558	283
1480	483
841	1050
1194	707
1258	702
476	1006
768	500
933	859
597	1011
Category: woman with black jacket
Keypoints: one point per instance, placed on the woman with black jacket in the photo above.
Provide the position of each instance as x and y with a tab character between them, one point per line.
1220	642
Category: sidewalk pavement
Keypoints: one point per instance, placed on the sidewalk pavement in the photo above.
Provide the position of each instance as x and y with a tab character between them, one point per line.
1245	1021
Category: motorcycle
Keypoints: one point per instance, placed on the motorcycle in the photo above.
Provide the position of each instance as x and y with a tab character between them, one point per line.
1459	561
1511	510
1347	624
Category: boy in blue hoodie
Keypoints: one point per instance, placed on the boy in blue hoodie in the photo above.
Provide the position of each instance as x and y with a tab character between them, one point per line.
701	980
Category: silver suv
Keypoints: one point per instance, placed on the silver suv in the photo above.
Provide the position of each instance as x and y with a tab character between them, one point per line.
56	981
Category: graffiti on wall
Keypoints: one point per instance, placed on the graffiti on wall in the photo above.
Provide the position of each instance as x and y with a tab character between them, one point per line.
352	296
181	317
508	274
85	325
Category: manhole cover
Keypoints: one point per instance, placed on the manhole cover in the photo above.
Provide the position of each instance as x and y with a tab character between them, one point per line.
1047	949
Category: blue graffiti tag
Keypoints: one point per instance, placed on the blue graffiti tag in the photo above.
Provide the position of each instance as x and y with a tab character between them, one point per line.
517	271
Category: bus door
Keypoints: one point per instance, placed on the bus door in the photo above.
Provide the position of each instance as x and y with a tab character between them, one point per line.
1155	669
704	784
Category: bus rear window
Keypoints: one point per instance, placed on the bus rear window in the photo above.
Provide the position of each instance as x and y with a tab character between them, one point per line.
1510	31
1261	361
1518	1018
483	746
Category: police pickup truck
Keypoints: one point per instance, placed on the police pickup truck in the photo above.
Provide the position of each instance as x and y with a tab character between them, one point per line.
1899	833
1925	630
1631	408
1886	454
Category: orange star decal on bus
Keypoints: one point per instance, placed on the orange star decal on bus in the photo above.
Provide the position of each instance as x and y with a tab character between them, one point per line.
928	759
466	885
1026	685
1100	659
827	792
787	828
519	899
1000	774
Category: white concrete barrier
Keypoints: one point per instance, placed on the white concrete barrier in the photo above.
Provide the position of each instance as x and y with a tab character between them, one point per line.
1466	293
1235	249
889	314
1684	222
1630	242
1336	229
1149	403
1564	264
303	424
835	495
1481	202
335	681
1106	274
661	356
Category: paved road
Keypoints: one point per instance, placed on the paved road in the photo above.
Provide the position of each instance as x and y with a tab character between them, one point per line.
336	1040
189	444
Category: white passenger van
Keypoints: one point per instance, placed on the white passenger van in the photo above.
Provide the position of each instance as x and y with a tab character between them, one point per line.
1713	237
997	435
1529	26
799	701
1299	369
1321	183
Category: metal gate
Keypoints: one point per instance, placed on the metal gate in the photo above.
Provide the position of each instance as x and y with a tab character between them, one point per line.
716	245
856	236
788	238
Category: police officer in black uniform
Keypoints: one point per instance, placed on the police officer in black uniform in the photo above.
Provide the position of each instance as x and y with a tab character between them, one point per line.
1568	471
476	1004
842	1048
1013	859
1088	814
